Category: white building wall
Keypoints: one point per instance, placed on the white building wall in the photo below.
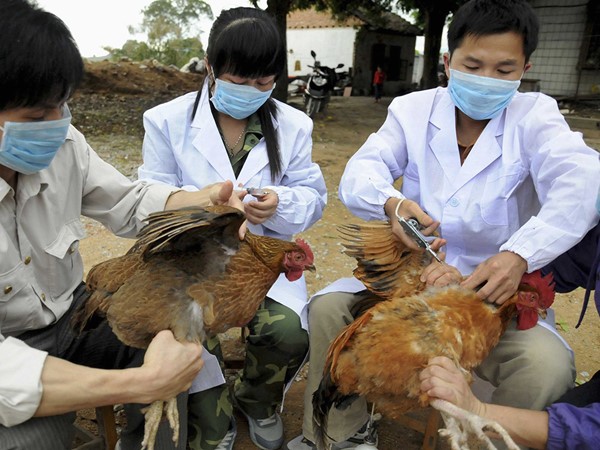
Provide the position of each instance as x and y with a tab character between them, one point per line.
332	46
562	26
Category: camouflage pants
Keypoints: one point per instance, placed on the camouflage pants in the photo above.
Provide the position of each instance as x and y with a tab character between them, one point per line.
275	349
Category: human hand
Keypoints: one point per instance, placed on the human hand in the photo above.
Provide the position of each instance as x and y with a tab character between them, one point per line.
213	194
407	209
259	210
499	277
441	379
170	366
436	274
224	194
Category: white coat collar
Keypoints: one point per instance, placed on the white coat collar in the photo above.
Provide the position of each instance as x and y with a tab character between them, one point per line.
444	144
208	142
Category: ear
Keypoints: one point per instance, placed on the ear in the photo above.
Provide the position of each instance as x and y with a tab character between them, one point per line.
527	67
446	58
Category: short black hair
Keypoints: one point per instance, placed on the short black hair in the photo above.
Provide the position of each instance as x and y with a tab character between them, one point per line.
39	60
485	17
246	42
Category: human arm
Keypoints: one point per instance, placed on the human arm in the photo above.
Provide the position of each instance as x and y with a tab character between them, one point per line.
367	183
214	194
122	206
575	267
564	173
301	194
159	161
169	368
559	168
442	379
35	384
435	274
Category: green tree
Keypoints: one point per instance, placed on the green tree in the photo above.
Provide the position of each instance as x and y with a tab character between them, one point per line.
166	20
173	31
432	15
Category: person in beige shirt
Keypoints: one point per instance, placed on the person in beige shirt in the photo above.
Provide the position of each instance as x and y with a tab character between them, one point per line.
49	177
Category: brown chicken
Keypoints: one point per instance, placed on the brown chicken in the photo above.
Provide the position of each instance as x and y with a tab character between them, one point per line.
188	273
401	325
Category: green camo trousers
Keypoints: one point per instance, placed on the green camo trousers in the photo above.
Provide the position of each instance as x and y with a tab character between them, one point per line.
275	349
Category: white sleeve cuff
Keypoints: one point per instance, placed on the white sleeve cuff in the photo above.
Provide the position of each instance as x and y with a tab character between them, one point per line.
20	381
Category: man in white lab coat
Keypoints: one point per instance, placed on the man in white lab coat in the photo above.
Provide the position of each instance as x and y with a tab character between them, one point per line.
511	185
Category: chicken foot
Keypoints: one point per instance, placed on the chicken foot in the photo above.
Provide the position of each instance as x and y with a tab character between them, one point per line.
461	425
153	415
173	418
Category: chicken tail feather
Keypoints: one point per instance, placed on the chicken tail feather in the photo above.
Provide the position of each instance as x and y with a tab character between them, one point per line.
327	396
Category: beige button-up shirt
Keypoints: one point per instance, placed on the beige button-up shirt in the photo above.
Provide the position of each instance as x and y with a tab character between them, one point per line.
40	263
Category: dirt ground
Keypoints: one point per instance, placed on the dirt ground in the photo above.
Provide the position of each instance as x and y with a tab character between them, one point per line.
108	109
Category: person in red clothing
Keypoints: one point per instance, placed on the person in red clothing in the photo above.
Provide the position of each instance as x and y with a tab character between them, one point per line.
378	79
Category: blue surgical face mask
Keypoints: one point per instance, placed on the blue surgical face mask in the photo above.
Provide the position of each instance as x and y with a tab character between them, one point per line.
480	97
237	100
28	147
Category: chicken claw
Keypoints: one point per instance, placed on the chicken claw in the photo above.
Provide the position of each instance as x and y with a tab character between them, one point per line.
153	415
173	417
462	426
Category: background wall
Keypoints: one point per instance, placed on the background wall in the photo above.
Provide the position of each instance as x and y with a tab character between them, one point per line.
332	45
563	30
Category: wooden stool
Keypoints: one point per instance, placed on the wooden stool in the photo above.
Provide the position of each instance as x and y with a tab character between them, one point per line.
429	427
107	431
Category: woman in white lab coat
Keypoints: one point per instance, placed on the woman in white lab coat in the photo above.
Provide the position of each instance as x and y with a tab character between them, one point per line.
232	130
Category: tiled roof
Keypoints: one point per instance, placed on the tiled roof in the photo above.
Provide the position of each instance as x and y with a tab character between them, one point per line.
310	18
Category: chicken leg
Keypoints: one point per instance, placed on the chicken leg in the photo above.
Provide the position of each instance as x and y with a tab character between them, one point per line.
153	415
462	426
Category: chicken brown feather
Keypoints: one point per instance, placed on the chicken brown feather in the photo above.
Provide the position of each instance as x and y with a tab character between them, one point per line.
189	273
401	324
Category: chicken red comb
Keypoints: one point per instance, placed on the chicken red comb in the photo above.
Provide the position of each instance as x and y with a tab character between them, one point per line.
544	285
306	248
532	303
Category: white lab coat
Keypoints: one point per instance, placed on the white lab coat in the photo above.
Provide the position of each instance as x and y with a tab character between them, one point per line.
190	153
528	186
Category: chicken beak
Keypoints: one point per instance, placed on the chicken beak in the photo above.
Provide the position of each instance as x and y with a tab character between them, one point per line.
310	268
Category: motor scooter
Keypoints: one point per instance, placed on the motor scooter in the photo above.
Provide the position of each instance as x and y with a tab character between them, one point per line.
321	83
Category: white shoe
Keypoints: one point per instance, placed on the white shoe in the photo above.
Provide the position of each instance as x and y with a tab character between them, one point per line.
229	438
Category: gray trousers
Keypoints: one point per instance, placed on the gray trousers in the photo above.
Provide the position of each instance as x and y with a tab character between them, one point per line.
530	369
97	347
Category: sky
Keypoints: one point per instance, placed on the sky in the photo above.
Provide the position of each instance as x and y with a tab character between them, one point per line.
104	23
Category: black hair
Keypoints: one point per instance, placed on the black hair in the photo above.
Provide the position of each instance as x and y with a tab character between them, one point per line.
39	60
246	42
485	17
